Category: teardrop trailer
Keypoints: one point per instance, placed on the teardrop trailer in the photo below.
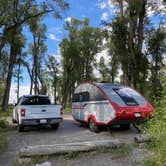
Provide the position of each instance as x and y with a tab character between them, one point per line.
105	104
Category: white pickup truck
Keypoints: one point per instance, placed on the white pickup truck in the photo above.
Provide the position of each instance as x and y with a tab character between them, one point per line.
36	110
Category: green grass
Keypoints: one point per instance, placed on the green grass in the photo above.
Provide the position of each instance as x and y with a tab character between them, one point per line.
67	110
3	128
3	142
156	128
3	139
122	151
8	112
33	161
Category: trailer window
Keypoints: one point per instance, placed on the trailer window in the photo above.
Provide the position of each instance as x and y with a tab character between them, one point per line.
129	96
81	97
36	101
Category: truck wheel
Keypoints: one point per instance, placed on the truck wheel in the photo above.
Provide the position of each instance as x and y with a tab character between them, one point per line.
20	128
55	126
93	127
13	120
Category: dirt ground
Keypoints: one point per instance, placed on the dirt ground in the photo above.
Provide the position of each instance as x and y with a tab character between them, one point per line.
71	131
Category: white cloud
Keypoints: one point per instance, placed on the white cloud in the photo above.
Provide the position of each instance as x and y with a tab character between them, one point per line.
68	19
102	5
52	37
103	53
110	4
55	30
104	16
24	90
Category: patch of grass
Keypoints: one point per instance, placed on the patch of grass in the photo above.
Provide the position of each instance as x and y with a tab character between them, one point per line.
122	151
8	112
3	138
3	142
32	162
156	159
2	125
67	110
156	128
118	152
73	155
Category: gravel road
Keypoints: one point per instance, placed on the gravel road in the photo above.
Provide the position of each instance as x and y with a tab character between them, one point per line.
69	131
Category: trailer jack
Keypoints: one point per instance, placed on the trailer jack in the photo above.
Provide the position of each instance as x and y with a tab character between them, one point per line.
136	127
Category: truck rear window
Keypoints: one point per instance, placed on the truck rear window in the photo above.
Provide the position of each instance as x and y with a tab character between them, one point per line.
36	101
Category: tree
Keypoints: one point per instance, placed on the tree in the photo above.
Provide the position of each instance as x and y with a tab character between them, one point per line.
53	66
127	40
14	14
78	55
156	48
103	70
37	49
90	41
18	71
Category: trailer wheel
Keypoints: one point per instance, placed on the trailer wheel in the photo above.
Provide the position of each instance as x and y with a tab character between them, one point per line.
55	126
125	126
93	127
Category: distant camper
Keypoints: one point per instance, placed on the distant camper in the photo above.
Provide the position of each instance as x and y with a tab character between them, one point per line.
103	104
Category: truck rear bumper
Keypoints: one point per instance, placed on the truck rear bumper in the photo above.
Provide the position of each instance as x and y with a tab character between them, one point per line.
43	121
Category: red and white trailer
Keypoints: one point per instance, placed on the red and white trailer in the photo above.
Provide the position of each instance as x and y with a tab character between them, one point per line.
104	104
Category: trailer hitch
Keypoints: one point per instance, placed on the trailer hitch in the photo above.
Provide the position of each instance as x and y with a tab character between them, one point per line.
136	127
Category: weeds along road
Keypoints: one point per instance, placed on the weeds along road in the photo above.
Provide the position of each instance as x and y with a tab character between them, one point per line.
69	131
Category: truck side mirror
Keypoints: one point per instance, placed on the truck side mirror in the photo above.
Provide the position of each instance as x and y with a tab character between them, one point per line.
15	104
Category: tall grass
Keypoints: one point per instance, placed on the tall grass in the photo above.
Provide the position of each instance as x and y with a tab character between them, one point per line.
157	130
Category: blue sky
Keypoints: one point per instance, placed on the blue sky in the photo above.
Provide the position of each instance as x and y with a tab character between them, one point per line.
95	10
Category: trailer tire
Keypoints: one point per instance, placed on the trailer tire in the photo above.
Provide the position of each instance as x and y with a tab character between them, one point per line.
55	126
125	126
93	127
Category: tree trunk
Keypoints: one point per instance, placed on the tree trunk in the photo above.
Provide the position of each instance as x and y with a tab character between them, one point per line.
55	80
18	80
65	92
12	61
121	8
2	43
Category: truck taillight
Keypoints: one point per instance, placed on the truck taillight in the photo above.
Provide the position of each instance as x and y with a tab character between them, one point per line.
22	112
61	111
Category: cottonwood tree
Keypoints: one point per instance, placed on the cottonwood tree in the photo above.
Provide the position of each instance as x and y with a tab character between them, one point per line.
156	48
53	72
37	50
78	55
13	15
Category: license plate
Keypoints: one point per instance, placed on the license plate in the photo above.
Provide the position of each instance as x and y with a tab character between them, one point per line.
43	121
137	115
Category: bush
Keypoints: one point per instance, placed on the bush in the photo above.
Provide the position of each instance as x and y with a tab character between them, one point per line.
2	125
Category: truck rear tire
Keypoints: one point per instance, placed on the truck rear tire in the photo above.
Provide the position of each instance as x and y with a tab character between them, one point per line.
13	120
93	127
20	128
55	126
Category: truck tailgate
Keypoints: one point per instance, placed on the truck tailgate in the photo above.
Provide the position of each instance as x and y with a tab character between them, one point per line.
41	111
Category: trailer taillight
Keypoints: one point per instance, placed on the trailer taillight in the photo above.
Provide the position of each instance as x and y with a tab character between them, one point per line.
22	112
